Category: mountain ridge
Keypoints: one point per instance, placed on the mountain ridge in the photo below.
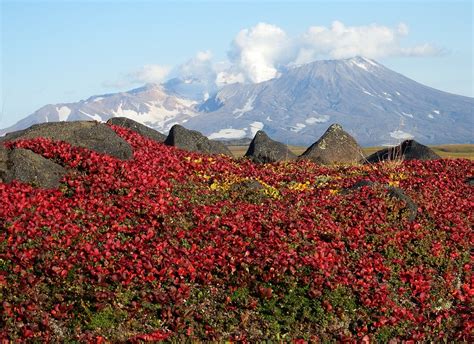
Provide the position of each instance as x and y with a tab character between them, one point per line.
375	104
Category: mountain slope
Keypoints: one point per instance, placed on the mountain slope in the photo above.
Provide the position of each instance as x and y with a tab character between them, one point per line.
375	104
150	105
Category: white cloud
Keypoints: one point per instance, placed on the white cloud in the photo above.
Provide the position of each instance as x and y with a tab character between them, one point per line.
402	29
258	51
421	50
263	51
198	76
152	73
372	41
226	78
204	55
200	67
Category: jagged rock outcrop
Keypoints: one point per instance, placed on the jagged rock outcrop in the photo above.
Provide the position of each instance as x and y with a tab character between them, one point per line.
194	141
263	149
335	146
407	150
137	127
28	167
88	134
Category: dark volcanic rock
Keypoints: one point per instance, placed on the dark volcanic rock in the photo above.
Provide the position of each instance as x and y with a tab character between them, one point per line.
249	185
137	127
249	190
407	150
88	134
335	146
263	149
194	141
29	167
411	208
358	185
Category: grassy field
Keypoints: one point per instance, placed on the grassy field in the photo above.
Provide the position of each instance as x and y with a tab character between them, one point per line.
465	151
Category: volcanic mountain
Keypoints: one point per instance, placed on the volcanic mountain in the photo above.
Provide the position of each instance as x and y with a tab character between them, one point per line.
373	103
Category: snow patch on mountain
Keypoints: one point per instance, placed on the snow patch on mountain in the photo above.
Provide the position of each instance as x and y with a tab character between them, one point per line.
298	127
228	133
369	61
63	113
248	106
94	117
360	65
319	119
254	127
401	135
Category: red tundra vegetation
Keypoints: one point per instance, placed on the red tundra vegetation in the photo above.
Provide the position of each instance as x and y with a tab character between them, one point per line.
174	245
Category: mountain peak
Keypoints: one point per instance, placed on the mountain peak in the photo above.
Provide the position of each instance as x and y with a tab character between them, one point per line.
146	88
358	63
362	62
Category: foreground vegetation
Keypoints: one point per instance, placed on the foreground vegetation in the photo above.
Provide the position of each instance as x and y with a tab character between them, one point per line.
175	245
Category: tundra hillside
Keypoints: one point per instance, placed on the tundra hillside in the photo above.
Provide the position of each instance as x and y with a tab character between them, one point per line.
174	245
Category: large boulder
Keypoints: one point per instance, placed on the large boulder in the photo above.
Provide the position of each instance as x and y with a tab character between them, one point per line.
335	146
138	128
194	141
28	167
407	150
88	134
263	149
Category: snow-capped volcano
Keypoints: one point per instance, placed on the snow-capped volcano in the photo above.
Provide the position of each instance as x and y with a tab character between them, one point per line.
373	103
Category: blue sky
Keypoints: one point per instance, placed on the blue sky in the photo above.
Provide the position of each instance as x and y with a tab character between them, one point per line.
64	51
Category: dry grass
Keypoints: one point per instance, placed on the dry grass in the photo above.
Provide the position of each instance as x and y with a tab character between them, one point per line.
465	151
455	151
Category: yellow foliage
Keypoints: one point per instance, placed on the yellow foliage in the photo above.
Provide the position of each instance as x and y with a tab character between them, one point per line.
299	186
395	178
227	184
